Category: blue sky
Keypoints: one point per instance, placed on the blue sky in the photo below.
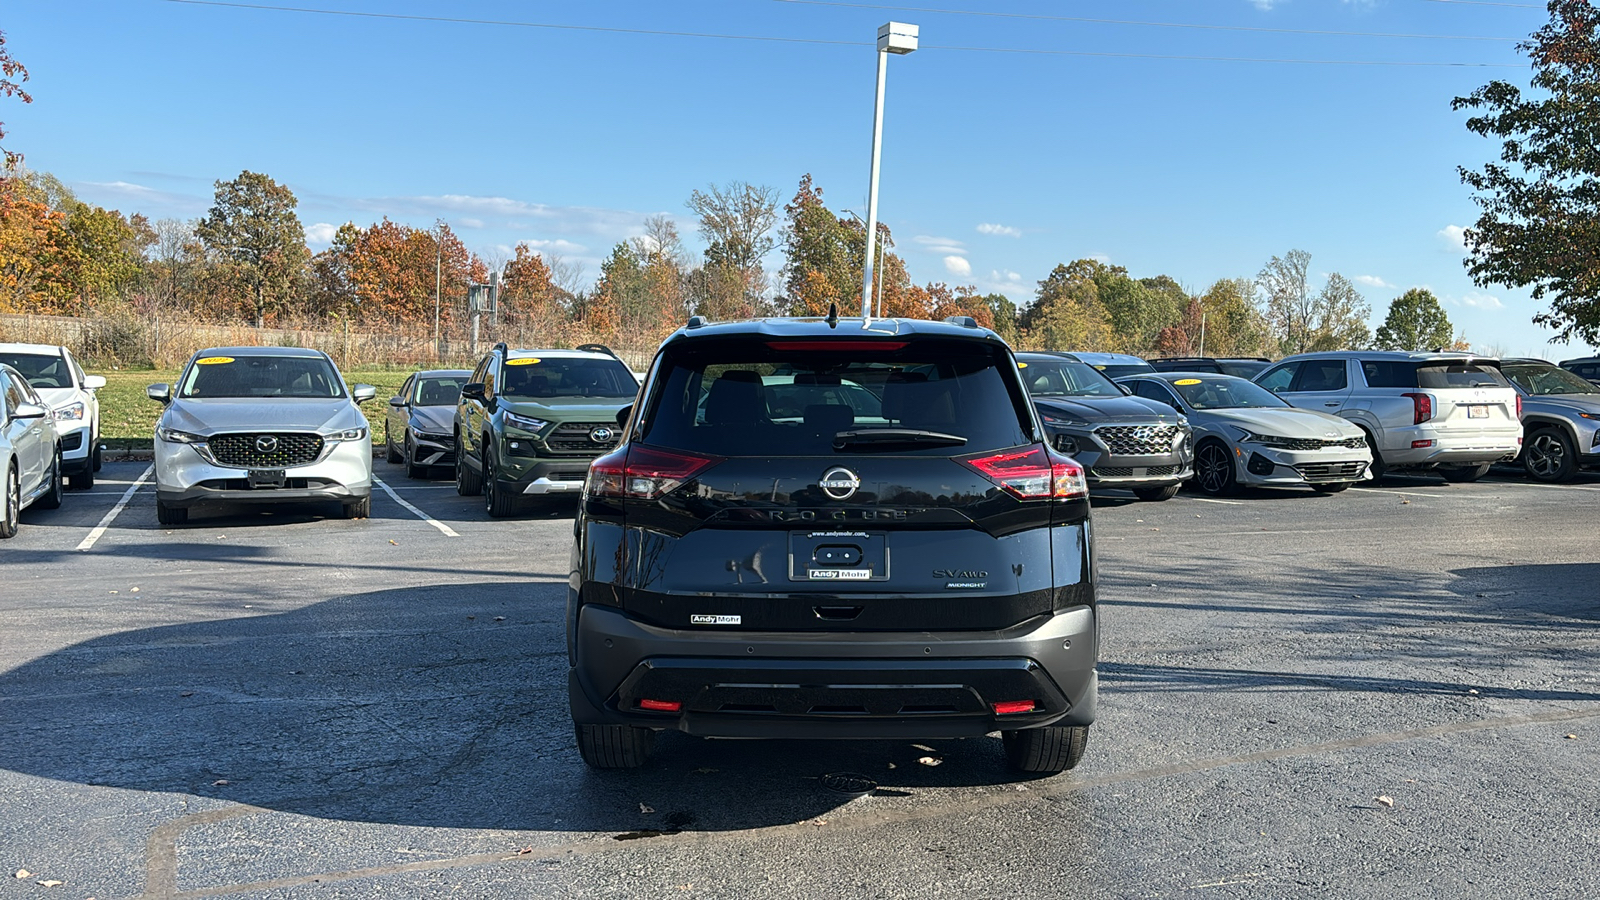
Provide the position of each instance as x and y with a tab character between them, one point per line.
997	165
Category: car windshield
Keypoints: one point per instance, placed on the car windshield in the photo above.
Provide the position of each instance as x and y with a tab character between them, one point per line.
303	377
1224	392
439	390
1543	380
42	370
545	377
1121	370
1065	378
761	398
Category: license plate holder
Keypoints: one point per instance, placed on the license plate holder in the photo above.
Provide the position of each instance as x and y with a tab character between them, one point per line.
1477	412
266	479
838	556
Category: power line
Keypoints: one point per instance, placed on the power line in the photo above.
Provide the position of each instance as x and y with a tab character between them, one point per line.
1193	25
263	7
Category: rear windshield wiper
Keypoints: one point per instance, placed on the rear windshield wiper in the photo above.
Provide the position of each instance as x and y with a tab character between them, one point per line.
877	438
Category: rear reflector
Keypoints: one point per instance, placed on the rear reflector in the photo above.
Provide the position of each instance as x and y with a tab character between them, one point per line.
1033	474
643	473
661	705
1007	707
1418	445
861	346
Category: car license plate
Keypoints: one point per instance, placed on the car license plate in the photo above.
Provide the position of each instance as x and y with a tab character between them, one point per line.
266	478
1477	412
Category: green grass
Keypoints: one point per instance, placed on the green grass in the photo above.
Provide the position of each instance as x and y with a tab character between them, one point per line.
128	417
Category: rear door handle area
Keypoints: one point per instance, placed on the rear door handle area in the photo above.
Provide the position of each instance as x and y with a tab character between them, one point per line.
837	613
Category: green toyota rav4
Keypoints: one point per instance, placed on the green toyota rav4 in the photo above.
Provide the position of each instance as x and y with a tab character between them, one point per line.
529	422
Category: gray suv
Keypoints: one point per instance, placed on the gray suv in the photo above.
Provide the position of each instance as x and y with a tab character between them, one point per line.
1453	413
1561	413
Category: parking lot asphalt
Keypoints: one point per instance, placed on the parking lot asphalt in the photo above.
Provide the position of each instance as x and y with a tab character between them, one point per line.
1391	691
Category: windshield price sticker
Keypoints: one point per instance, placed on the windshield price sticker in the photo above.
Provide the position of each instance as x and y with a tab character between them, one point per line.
213	361
839	574
522	362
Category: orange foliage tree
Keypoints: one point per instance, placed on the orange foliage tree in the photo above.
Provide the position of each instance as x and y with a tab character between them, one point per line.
389	273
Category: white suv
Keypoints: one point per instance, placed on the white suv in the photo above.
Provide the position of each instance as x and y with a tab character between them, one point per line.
1451	412
52	371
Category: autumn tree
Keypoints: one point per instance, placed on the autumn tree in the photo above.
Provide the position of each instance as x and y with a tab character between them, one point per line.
736	221
31	236
252	226
1415	321
529	294
395	273
12	77
1066	313
1540	226
819	269
1302	320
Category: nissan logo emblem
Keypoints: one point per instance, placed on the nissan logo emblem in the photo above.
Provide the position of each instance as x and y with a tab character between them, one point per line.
840	483
266	444
600	434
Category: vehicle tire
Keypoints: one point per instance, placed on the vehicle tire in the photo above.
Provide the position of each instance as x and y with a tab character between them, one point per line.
1332	487
357	509
614	746
389	448
171	515
99	455
1213	468
468	482
1054	748
1378	468
499	502
13	500
83	480
412	469
52	497
1464	474
1549	456
1157	494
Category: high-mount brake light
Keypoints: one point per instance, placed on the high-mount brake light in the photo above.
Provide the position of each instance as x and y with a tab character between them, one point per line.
861	346
1421	408
643	473
1010	707
1033	474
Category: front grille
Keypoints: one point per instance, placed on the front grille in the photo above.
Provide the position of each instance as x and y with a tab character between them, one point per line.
1137	440
1313	471
1128	471
1354	443
265	449
573	437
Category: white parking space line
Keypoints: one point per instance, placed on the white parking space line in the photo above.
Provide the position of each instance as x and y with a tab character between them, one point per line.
1206	499
427	487
445	529
1405	493
94	534
1557	487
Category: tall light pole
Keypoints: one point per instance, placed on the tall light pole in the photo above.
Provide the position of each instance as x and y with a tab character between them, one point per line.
897	38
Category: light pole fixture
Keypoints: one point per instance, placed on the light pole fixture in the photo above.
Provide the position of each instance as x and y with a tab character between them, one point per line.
897	38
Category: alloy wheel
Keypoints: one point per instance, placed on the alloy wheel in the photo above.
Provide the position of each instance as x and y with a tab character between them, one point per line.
1546	455
13	501
490	488
1212	469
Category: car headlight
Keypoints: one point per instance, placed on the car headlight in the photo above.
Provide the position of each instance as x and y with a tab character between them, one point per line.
526	422
174	436
1059	419
1590	415
72	412
349	434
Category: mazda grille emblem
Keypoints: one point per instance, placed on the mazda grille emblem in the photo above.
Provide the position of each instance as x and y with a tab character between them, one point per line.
839	483
600	435
266	444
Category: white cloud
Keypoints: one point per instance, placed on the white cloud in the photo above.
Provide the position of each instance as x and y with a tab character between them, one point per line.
1477	300
321	233
114	193
1372	281
1455	236
1101	258
940	245
955	265
497	212
470	223
1002	230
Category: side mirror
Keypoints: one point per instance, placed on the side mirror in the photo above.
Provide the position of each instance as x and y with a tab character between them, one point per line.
473	391
1121	387
161	393
94	382
29	411
361	393
626	412
397	402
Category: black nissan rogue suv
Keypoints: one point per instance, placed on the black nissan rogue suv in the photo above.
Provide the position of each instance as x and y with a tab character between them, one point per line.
838	528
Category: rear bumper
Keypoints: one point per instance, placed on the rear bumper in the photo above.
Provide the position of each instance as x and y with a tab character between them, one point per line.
833	685
1450	449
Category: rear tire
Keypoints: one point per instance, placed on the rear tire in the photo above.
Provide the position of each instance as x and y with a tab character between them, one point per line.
357	509
1549	456
1377	469
1157	494
1054	748
468	482
51	499
171	515
1464	474
1333	488
9	521
614	746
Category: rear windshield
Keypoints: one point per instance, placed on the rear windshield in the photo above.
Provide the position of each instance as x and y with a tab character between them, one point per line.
439	390
307	377
1186	365
1243	368
1545	380
1065	378
755	398
42	371
1401	374
545	377
1118	370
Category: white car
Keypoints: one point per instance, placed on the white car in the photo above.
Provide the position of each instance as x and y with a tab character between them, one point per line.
261	425
70	395
30	460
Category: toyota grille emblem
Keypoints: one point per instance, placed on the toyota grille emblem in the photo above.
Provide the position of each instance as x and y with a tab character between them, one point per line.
266	444
840	483
600	434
